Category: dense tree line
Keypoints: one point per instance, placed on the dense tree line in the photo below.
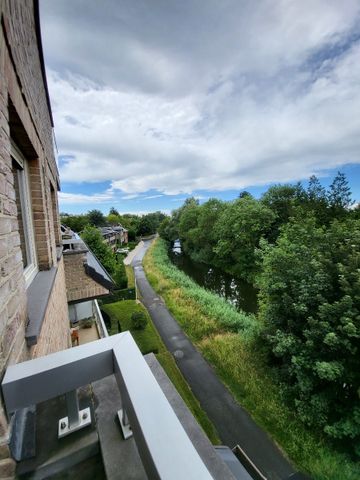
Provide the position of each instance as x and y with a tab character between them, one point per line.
135	224
301	247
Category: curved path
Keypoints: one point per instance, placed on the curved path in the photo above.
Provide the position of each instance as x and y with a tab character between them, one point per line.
232	422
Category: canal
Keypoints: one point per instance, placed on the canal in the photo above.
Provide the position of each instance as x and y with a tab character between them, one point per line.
236	291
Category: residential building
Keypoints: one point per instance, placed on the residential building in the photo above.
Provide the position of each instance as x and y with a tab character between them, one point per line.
40	375
33	305
114	236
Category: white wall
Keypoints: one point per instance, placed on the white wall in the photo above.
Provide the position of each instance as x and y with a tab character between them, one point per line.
78	311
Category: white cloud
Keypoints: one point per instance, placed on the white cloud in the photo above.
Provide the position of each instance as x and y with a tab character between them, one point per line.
129	197
153	196
79	198
239	94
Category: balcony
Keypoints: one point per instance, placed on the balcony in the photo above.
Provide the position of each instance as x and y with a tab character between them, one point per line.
154	435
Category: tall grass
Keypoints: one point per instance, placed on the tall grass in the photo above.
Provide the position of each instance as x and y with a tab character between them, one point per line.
130	276
210	304
241	366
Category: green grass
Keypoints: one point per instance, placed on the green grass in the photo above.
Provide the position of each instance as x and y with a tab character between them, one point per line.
120	312
148	340
130	276
221	314
240	365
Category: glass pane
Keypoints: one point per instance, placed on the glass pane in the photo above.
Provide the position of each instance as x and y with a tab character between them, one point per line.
18	177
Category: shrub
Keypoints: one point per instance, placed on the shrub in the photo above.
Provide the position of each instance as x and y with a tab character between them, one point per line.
138	320
119	276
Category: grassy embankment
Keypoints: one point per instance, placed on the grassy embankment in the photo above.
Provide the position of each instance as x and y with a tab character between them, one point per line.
225	338
130	276
148	340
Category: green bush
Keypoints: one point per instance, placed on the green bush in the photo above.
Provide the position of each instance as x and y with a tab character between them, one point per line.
138	320
119	276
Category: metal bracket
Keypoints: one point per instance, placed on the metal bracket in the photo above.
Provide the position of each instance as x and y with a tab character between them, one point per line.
76	418
66	429
124	424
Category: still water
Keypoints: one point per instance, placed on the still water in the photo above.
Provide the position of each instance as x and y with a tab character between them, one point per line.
241	294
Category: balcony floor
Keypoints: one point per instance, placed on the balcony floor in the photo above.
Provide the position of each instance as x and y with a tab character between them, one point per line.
55	457
87	335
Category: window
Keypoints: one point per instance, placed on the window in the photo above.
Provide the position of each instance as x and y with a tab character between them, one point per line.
25	217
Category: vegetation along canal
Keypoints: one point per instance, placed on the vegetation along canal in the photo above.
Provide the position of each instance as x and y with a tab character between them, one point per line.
236	291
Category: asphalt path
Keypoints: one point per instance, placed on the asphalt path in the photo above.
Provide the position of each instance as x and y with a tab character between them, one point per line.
233	423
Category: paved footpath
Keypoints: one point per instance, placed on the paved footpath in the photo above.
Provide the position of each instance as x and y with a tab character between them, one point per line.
234	425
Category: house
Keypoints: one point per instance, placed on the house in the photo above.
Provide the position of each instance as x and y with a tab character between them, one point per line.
109	237
43	379
122	234
113	236
86	280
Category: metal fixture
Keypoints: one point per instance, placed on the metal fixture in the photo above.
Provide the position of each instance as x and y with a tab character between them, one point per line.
164	447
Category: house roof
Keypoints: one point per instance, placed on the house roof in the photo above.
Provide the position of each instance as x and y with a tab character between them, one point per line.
93	266
96	271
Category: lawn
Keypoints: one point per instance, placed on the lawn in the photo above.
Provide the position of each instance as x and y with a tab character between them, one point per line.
148	340
130	276
120	314
239	363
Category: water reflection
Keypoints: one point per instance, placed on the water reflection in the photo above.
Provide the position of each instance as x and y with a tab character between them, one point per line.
241	294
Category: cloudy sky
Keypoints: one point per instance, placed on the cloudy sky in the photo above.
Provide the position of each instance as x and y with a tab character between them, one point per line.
156	100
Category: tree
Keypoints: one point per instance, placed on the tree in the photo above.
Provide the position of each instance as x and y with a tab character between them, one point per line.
163	229
310	308
155	220
188	225
244	194
75	222
130	221
96	218
169	227
113	219
146	226
205	235
317	201
340	195
238	230
315	191
282	200
113	211
94	240
355	211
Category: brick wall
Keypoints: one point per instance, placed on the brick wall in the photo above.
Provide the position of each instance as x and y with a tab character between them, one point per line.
79	285
21	31
55	332
25	117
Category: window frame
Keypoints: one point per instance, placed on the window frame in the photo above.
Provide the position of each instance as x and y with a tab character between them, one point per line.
31	268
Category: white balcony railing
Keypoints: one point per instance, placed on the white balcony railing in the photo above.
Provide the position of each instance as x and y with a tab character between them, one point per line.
165	449
99	320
